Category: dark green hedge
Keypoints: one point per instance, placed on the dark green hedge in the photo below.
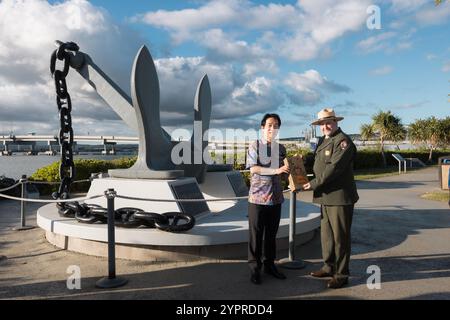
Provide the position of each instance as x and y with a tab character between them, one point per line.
365	159
83	168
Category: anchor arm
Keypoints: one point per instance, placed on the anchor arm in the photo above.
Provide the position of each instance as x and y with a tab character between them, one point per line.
107	89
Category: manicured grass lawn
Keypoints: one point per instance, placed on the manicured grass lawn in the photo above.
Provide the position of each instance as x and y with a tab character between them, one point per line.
379	172
437	196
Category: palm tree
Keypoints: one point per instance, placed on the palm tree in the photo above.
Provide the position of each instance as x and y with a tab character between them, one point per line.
446	131
434	132
398	133
366	132
388	127
416	131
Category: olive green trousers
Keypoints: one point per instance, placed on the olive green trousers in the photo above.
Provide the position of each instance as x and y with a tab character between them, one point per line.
335	224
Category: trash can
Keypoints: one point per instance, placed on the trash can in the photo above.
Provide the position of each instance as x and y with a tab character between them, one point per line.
444	172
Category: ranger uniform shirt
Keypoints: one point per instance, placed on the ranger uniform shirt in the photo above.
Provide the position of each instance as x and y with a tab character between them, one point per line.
334	182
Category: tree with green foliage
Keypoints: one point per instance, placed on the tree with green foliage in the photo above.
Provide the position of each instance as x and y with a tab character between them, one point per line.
366	132
446	130
431	131
388	127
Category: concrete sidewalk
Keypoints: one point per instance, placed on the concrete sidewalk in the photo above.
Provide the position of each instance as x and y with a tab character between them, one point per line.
407	237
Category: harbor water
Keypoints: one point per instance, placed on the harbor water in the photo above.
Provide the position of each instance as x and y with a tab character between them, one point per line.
18	164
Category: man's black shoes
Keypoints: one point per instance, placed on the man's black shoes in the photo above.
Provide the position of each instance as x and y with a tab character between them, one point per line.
273	271
336	283
255	277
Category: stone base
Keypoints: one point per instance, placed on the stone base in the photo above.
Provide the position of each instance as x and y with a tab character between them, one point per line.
219	233
165	253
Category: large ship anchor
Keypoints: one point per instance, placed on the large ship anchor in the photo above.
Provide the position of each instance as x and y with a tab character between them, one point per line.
141	113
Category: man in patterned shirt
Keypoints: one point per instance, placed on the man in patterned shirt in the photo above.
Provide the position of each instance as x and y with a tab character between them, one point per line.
264	159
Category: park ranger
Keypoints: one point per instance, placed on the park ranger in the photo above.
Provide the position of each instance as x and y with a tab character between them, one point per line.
334	188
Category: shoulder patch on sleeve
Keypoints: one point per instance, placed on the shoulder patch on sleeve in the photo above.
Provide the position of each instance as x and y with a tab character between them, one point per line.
343	144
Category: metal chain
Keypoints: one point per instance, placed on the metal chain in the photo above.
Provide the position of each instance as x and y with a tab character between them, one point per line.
67	166
127	217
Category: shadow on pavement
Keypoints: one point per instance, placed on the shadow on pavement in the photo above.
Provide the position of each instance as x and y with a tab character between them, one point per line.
375	230
207	281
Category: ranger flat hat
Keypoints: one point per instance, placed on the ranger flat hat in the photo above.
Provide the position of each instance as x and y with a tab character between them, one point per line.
326	114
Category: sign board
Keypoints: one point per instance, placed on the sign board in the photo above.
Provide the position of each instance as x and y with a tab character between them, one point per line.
445	178
297	175
188	189
398	157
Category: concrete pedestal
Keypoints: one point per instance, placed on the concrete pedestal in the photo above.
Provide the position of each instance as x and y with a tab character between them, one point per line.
220	233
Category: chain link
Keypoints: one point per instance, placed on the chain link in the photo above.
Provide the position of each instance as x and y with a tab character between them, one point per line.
64	103
127	217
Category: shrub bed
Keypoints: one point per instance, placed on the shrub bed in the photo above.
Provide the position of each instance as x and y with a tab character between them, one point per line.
365	159
83	170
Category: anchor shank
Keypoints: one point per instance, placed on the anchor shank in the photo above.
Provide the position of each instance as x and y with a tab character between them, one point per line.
107	89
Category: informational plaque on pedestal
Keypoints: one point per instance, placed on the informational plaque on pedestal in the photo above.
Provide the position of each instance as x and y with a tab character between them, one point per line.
188	189
238	184
297	172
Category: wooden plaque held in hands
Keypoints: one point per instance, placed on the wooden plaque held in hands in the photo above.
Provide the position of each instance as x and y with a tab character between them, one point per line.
297	175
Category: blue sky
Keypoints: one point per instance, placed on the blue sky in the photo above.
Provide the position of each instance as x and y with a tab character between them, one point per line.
290	57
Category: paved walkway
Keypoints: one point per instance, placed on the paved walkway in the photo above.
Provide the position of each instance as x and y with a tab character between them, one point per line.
407	237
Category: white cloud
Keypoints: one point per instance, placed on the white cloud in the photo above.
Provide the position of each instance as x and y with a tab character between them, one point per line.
310	87
179	77
269	16
215	13
182	24
401	6
235	95
28	29
297	32
326	20
319	23
423	12
376	43
258	66
255	88
223	46
413	105
381	71
259	95
388	42
27	98
446	66
432	15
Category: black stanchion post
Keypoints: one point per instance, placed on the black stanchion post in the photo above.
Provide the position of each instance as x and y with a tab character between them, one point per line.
291	262
111	281
23	222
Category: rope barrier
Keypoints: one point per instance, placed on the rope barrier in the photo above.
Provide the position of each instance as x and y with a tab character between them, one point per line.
179	200
11	187
43	182
187	200
51	201
54	183
117	196
79	181
127	198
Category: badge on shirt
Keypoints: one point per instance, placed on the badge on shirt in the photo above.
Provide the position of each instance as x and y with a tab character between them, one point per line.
343	144
327	152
